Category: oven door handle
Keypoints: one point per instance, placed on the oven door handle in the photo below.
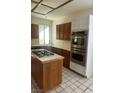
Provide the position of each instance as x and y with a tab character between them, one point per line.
77	52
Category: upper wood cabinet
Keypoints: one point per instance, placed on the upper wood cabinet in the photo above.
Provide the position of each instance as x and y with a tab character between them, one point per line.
67	31
34	31
63	31
57	31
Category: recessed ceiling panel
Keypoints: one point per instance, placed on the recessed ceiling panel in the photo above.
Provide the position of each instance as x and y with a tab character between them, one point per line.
42	9
32	5
36	0
54	3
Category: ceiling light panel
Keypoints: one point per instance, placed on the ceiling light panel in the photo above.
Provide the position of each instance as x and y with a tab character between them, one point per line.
33	5
54	3
42	9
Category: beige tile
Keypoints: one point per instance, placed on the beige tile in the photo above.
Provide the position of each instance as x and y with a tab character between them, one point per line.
88	91
77	83
82	87
63	91
73	80
82	80
63	85
78	90
68	90
69	83
59	89
87	83
73	92
73	86
64	80
91	87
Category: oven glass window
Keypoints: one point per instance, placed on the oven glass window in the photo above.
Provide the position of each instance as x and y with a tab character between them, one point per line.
77	56
78	41
79	59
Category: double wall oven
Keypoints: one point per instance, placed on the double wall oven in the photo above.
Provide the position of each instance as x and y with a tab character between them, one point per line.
79	47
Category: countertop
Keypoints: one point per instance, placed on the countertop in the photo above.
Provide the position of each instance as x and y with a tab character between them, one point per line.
61	47
47	59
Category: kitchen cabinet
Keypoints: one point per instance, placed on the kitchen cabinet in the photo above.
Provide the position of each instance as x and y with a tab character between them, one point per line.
67	31
34	31
47	75
56	50
52	74
57	32
65	54
63	31
66	61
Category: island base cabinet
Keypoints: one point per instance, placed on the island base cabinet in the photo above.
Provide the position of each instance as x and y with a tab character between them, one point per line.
52	74
47	75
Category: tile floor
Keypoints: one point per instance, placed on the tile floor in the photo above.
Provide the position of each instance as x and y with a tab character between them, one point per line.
72	83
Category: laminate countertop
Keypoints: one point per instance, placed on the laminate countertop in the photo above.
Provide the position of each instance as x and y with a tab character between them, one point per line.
47	59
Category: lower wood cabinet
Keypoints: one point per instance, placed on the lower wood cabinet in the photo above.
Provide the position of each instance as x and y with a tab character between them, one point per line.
52	74
56	50
46	75
66	61
64	53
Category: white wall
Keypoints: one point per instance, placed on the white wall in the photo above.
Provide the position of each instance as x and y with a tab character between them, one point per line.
70	18
36	20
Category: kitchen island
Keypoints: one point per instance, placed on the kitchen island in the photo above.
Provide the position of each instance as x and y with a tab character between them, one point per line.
47	71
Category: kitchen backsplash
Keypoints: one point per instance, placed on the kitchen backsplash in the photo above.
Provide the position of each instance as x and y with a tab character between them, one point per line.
34	41
62	44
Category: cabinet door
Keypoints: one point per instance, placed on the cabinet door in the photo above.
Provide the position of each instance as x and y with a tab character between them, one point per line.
67	31
66	61
64	53
57	32
56	50
52	74
61	29
34	31
37	71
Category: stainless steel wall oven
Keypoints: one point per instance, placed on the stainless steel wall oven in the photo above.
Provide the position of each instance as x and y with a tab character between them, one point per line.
79	57
79	47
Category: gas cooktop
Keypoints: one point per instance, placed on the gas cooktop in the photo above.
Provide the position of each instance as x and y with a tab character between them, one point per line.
42	52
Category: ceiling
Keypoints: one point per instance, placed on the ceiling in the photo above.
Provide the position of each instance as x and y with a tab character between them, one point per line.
54	9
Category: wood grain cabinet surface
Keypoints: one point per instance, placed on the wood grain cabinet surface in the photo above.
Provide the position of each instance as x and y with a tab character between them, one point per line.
46	75
64	53
67	31
34	31
66	61
63	31
57	32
